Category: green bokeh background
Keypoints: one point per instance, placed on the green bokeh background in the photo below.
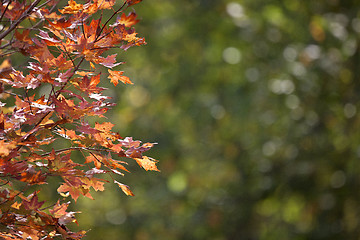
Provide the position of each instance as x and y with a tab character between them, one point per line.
254	106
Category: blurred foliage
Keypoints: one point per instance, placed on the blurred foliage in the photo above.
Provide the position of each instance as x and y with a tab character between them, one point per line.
254	105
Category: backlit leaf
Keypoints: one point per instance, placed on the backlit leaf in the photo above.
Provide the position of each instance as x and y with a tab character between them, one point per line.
124	188
116	76
149	164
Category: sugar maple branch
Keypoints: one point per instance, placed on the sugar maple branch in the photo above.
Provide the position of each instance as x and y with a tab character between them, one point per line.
79	148
33	123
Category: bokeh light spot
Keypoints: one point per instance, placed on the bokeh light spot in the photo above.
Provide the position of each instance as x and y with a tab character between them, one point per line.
116	216
177	182
235	10
349	110
217	111
232	55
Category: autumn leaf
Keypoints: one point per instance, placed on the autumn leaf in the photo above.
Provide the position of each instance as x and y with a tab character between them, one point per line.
50	41
59	209
5	69
60	24
132	38
96	159
31	176
132	2
125	188
105	4
6	147
149	164
72	8
74	191
16	205
109	61
116	76
95	183
128	20
23	36
89	85
33	203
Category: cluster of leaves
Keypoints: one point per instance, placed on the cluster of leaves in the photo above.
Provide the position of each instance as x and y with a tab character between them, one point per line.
65	49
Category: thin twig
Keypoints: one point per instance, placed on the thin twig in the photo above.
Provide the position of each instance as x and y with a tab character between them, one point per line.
101	30
6	8
20	19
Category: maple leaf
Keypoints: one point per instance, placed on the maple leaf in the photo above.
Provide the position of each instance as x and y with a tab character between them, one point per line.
109	61
89	85
5	69
48	40
132	2
115	76
61	63
72	8
40	51
149	164
61	23
128	20
74	190
95	183
86	128
33	203
22	41
92	30
31	176
132	38
104	127
125	188
6	147
16	205
94	158
114	164
59	209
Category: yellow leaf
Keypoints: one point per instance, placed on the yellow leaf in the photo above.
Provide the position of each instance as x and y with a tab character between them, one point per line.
16	205
125	188
147	163
72	8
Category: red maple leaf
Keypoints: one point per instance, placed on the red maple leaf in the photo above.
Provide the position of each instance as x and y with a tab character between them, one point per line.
33	203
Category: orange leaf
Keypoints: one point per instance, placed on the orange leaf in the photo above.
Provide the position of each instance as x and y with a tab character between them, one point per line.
93	158
104	127
6	147
59	210
132	2
74	191
115	76
125	188
105	4
16	205
72	8
96	183
147	163
128	20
